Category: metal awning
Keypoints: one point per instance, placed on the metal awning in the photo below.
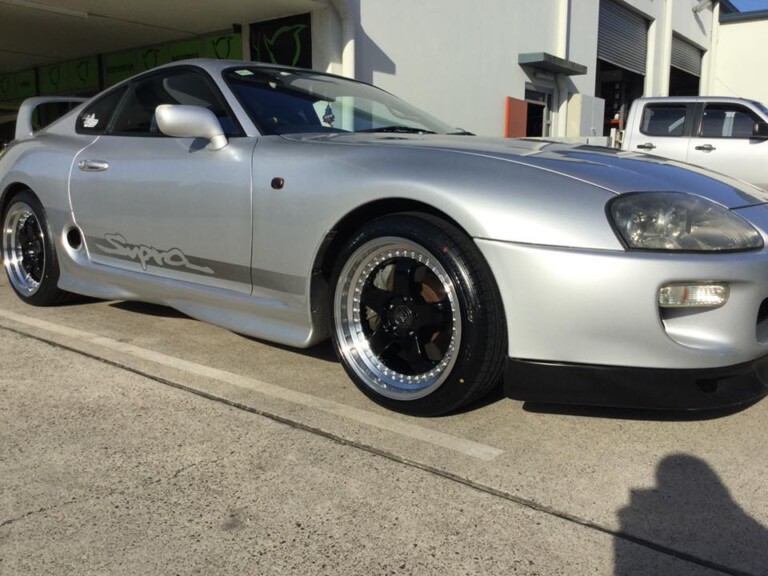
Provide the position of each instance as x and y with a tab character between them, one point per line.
551	63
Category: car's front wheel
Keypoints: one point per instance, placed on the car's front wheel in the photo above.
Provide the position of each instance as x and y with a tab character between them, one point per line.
28	252
418	321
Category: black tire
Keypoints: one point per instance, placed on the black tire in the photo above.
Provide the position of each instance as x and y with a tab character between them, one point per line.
29	253
418	322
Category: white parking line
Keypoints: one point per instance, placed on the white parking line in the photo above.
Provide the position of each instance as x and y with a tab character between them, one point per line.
414	431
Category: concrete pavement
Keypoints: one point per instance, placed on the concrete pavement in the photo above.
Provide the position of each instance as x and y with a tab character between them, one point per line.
136	440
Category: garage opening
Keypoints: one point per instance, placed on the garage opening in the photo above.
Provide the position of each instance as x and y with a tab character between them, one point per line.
622	48
685	68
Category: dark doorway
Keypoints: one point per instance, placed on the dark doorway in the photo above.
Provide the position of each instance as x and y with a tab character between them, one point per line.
537	116
619	88
682	83
535	121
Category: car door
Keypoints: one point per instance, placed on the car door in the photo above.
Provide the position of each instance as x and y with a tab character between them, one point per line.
664	130
724	142
166	207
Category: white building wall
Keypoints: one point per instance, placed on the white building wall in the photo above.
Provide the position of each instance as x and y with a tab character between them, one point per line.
741	61
326	41
451	57
459	59
582	45
696	27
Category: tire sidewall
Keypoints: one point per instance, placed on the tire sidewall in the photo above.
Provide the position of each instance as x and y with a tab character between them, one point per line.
440	241
48	291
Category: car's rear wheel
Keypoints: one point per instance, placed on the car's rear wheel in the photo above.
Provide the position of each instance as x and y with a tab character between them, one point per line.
418	322
28	252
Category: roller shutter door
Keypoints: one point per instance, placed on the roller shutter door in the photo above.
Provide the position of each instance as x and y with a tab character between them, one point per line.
622	37
686	56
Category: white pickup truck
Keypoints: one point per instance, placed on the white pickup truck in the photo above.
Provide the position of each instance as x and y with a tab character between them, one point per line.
727	135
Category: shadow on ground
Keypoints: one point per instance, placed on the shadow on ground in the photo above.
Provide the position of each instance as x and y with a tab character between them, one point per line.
326	353
690	515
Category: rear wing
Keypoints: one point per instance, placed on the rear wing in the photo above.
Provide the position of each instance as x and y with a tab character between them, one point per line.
24	127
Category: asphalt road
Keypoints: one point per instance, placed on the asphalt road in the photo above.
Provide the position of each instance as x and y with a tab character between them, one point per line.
135	440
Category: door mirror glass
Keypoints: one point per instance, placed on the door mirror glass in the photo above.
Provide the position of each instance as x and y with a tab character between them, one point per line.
761	130
184	121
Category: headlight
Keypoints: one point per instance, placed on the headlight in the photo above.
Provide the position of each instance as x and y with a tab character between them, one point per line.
676	221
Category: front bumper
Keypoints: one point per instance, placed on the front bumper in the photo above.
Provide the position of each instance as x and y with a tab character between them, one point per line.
647	388
600	307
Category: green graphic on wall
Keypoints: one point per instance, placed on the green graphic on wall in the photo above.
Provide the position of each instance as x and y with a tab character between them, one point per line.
84	74
26	86
224	47
66	77
18	85
148	58
285	41
7	88
53	79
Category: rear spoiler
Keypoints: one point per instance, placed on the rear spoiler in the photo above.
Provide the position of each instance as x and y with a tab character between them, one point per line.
27	109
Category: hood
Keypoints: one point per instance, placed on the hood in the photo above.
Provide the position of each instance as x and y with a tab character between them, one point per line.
613	170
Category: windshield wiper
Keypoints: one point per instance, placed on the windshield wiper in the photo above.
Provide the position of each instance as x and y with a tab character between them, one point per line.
460	132
398	130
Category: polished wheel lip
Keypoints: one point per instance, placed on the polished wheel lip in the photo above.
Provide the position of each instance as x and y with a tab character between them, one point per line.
23	248
353	343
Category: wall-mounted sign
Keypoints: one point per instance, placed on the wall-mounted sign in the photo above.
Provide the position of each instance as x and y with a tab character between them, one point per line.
119	66
185	50
285	41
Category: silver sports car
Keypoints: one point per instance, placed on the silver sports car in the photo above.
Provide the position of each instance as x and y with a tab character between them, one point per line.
294	206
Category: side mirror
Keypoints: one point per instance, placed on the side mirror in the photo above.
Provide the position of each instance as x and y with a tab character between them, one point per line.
761	130
181	121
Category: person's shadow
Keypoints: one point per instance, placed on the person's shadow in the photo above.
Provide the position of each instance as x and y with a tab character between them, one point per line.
687	523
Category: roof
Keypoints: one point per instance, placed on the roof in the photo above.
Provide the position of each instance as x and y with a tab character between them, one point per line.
685	99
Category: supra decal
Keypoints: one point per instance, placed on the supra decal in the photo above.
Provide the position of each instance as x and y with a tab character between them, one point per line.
119	246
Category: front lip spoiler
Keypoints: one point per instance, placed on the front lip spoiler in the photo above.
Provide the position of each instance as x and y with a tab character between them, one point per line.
644	388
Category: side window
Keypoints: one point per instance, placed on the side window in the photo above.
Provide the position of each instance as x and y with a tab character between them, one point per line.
95	118
727	121
136	116
663	119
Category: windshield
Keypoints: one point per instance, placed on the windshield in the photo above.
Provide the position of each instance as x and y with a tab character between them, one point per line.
283	101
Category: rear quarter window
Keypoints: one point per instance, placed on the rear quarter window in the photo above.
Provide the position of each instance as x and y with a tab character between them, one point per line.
96	117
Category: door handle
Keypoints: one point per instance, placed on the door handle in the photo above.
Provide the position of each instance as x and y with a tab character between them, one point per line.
706	147
93	165
646	146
